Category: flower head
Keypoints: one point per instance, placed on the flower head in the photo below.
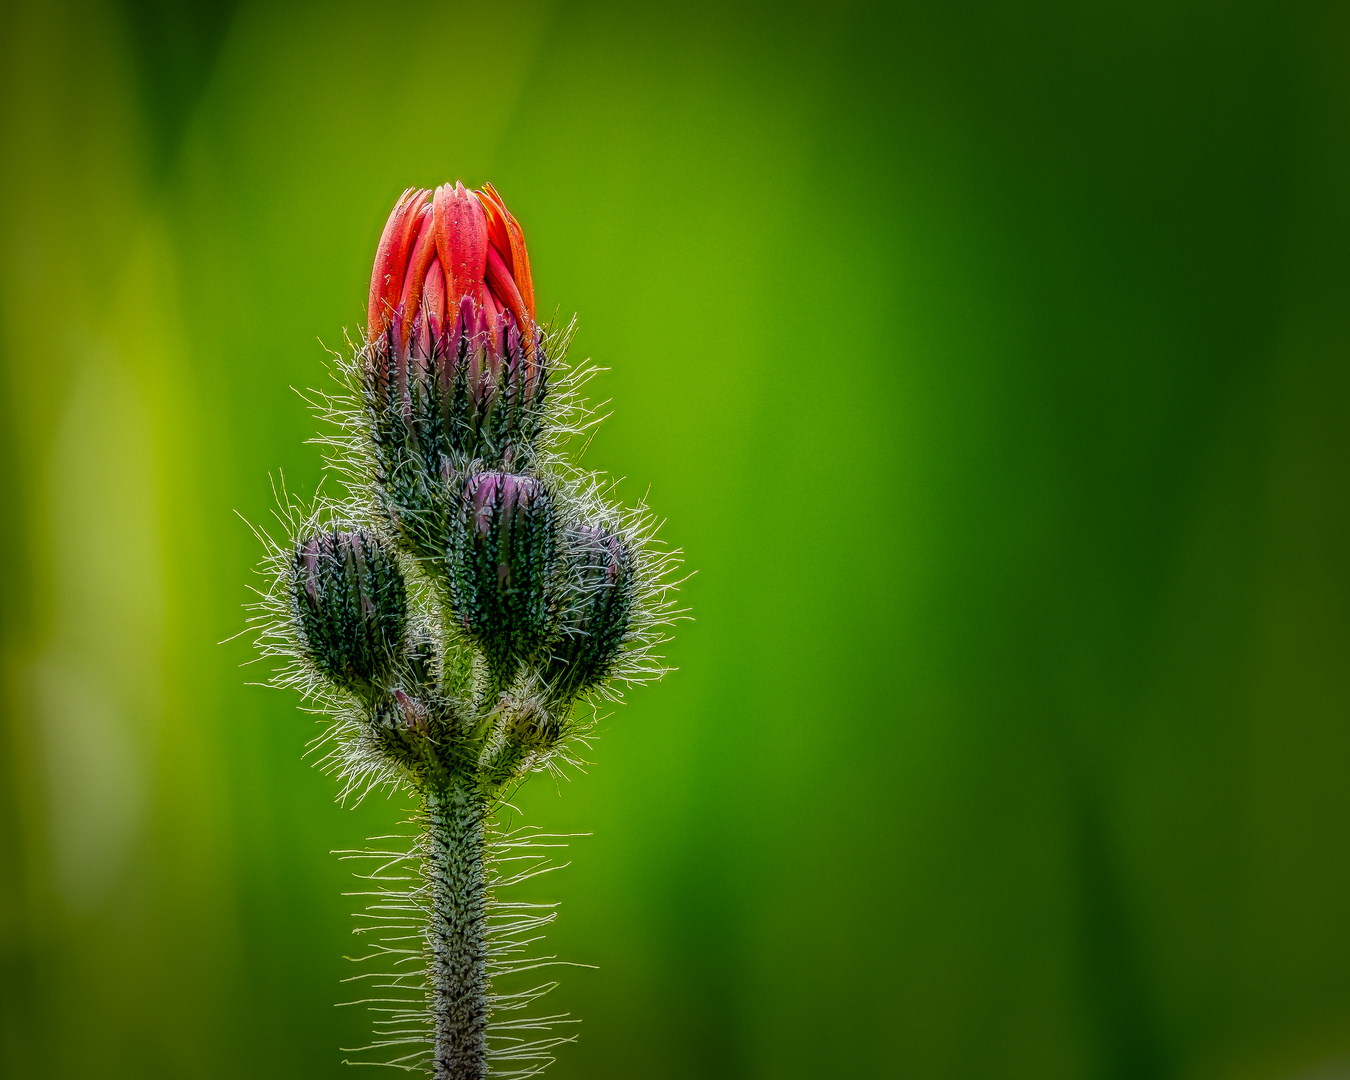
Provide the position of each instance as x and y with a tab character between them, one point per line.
452	343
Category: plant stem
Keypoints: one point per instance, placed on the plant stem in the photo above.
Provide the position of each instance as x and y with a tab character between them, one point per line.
456	936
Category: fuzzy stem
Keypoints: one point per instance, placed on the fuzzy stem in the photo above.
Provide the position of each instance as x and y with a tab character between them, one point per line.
456	935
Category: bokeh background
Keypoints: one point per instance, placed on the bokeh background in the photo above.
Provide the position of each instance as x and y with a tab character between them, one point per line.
990	363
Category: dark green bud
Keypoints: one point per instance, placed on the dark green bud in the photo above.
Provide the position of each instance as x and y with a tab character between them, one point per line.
350	606
502	560
596	619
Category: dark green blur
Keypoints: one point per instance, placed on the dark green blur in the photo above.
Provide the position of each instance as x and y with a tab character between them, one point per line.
991	363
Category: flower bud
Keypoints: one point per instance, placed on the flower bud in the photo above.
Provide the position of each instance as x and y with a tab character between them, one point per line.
415	729
596	619
455	365
526	731
350	606
502	560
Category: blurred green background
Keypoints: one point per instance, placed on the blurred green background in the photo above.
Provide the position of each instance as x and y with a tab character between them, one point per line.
990	362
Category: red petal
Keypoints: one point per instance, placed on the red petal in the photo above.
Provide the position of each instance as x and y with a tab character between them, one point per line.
422	253
411	227
500	282
497	234
386	280
520	258
433	297
461	240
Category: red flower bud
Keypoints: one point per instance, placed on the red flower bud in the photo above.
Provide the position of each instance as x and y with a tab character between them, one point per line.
455	364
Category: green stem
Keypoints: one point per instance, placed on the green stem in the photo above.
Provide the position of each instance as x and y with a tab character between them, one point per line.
457	949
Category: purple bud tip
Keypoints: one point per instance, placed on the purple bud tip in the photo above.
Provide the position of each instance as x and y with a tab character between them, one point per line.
606	551
309	556
614	564
484	500
414	714
497	498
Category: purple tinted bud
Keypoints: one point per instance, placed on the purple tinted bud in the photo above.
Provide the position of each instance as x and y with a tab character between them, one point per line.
350	606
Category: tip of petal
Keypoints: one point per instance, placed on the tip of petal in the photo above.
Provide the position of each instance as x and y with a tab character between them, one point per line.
391	256
519	261
461	240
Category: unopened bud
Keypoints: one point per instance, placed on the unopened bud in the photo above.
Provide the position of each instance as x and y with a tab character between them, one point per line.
596	619
502	559
527	730
350	606
414	727
414	713
455	364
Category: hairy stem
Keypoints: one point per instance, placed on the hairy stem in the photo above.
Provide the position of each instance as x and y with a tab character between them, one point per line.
456	937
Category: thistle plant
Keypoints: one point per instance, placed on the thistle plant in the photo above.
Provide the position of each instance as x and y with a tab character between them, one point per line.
458	612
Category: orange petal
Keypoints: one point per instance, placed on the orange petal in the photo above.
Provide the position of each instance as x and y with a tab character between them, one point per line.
412	226
461	240
422	253
501	283
520	258
386	280
497	234
433	296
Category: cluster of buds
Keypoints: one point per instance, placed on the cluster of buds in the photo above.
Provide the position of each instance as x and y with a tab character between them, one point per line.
481	595
453	378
